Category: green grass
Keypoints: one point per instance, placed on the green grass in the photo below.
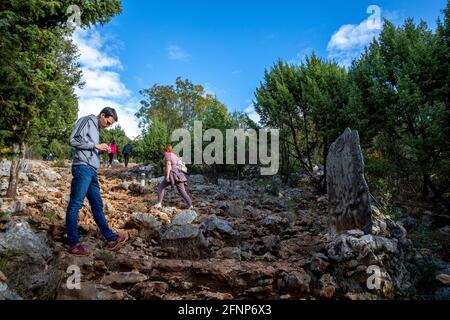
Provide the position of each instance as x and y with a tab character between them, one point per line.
59	164
49	216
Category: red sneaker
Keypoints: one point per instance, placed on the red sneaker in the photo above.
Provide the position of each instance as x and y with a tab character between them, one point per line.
78	250
118	243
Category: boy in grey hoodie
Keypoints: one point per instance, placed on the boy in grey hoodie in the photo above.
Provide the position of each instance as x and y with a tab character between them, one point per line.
85	141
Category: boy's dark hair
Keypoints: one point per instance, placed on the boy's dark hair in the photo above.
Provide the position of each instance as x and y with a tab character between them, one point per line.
110	112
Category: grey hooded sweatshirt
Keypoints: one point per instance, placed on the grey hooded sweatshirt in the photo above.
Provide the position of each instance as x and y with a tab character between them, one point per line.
83	140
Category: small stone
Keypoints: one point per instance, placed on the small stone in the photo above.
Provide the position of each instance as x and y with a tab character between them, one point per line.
229	253
236	208
50	175
140	221
2	277
445	230
444	278
18	206
360	296
212	223
319	263
153	290
115	164
125	185
355	233
123	278
184	217
327	286
298	281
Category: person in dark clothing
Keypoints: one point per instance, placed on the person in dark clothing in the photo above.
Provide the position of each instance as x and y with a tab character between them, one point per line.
127	152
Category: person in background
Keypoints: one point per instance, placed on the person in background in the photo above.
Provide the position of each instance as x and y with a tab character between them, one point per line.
173	177
112	151
85	141
127	152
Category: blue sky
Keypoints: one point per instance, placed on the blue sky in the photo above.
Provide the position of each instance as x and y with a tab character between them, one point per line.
224	46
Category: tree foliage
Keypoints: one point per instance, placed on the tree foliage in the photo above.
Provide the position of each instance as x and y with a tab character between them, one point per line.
39	71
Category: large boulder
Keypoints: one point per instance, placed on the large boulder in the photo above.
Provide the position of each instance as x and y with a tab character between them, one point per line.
8	294
348	192
139	220
5	167
358	259
212	223
19	237
16	207
50	175
187	241
149	227
29	276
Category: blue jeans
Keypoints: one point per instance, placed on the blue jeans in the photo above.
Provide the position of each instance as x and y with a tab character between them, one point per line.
85	184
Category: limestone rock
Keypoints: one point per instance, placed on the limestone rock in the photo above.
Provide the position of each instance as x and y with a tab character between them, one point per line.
348	192
21	238
184	217
187	240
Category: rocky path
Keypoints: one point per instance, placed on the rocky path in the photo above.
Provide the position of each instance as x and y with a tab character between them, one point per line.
243	241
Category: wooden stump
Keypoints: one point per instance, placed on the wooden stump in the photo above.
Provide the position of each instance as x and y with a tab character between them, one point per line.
348	192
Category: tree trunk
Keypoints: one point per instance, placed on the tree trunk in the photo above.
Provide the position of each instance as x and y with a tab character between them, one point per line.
285	163
14	172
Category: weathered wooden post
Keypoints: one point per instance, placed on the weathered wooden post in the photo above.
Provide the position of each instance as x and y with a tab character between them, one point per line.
348	192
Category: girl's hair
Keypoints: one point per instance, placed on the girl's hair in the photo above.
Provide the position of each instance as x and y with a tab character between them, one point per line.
168	148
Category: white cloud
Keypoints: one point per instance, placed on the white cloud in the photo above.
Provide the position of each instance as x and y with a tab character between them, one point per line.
349	41
252	114
89	45
213	90
103	86
236	72
301	56
102	83
175	52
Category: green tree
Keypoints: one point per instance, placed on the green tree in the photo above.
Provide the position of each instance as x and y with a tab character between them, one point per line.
280	104
325	94
38	69
169	107
400	91
149	148
306	103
